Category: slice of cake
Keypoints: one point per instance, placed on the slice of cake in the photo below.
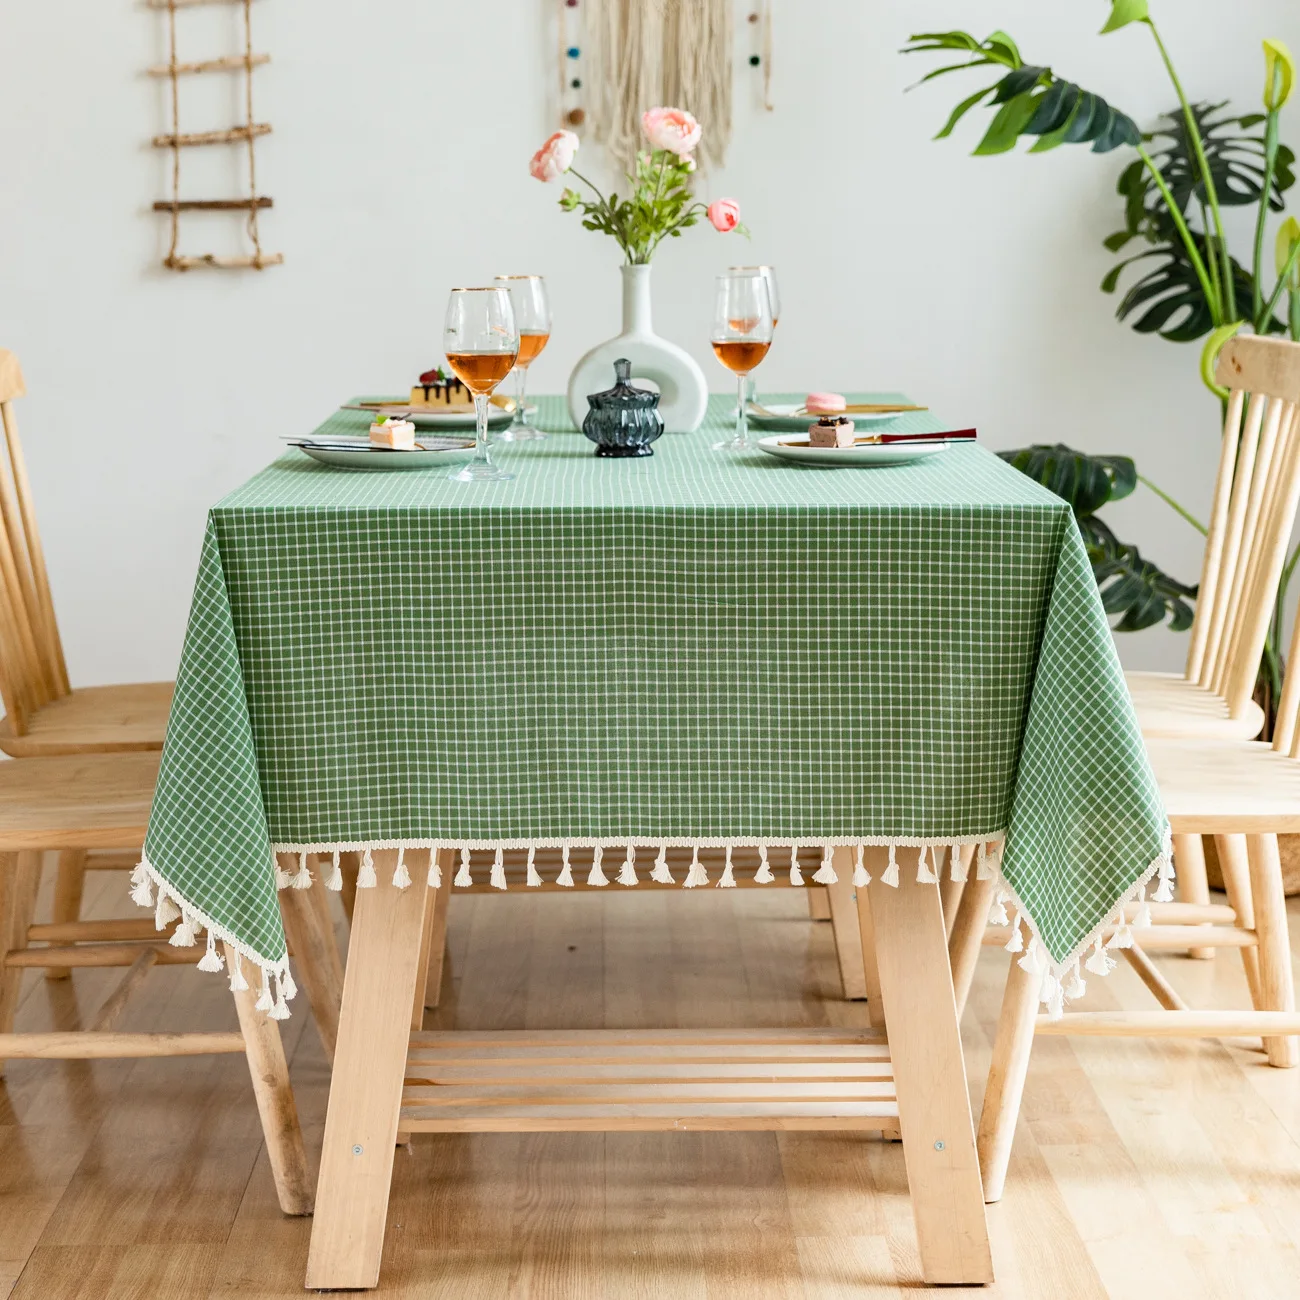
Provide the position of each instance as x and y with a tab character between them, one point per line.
832	431
439	389
395	435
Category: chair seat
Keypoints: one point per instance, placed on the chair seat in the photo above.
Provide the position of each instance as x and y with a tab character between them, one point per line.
83	801
1235	788
1170	707
94	720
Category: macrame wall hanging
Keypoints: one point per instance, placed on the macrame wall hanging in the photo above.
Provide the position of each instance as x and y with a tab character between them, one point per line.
620	57
243	136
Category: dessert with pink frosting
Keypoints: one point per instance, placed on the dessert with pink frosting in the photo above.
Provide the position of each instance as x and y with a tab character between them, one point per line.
395	435
824	403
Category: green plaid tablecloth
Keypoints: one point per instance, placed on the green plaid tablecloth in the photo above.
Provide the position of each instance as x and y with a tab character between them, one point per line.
689	648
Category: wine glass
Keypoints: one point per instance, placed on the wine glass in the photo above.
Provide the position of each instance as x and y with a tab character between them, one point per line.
481	341
769	274
533	317
742	334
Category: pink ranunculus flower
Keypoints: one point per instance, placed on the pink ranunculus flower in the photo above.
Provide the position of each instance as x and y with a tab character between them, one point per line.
673	129
555	157
725	214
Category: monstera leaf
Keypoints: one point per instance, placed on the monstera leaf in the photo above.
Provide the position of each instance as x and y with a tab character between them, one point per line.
1135	589
1031	100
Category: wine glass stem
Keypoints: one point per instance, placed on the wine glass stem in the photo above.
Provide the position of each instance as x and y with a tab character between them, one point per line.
481	456
742	416
521	386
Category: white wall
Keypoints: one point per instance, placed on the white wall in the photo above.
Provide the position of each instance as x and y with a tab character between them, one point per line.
398	168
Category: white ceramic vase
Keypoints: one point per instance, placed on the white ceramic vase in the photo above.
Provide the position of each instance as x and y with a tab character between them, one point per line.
684	394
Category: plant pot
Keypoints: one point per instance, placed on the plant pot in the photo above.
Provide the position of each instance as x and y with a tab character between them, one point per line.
683	391
1288	848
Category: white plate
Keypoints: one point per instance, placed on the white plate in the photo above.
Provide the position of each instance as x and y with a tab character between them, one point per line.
380	459
864	455
498	417
783	417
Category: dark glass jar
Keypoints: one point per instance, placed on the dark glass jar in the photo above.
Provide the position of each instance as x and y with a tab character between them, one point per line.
623	421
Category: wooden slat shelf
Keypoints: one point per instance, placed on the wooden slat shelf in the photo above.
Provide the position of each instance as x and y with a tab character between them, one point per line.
223	263
230	136
230	63
212	205
646	1080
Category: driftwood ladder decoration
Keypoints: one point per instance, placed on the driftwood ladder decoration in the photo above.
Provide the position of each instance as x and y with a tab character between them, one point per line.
245	134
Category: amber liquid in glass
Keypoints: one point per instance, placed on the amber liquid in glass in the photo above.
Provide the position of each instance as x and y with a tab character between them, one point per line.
739	355
481	372
531	343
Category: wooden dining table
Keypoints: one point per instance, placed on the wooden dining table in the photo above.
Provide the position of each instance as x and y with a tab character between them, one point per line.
676	672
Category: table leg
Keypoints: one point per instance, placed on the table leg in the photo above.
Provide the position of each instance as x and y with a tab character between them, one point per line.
844	921
930	1075
870	967
366	1089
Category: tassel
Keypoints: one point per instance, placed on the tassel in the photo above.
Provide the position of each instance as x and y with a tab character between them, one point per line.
1165	890
434	880
890	876
1101	962
1016	942
1123	936
210	961
1032	962
279	1011
166	911
728	881
282	878
825	874
237	981
983	865
401	877
1076	987
1052	994
264	1002
596	876
142	894
796	876
498	877
186	935
534	880
661	875
334	880
1143	917
565	877
924	872
366	878
763	876
303	879
861	877
998	912
463	879
696	875
289	988
957	865
627	872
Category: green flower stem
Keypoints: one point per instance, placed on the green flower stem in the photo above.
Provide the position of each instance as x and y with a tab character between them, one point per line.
1270	167
1214	261
1173	505
1229	299
1216	305
1281	284
1294	315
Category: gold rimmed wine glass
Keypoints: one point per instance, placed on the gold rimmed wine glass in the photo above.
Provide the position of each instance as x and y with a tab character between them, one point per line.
742	335
481	341
769	274
533	318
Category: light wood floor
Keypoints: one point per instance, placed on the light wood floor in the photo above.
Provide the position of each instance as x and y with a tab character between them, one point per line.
1142	1169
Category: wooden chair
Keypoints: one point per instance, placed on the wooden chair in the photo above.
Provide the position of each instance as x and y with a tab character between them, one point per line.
72	803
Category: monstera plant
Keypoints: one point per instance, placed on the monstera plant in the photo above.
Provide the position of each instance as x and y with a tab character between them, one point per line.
1188	286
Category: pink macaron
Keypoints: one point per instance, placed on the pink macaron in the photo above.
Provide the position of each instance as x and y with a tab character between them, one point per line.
824	403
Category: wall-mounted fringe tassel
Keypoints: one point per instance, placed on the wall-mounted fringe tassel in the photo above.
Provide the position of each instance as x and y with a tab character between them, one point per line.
728	880
596	876
1123	937
1165	890
763	876
1076	987
534	880
565	877
303	878
696	875
924	871
210	961
998	912
1016	942
334	880
660	874
282	878
237	981
957	865
983	866
826	874
1143	917
498	877
186	935
264	1002
401	876
366	878
165	912
1101	962
463	879
142	891
890	876
627	872
861	876
279	1011
434	880
1052	992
